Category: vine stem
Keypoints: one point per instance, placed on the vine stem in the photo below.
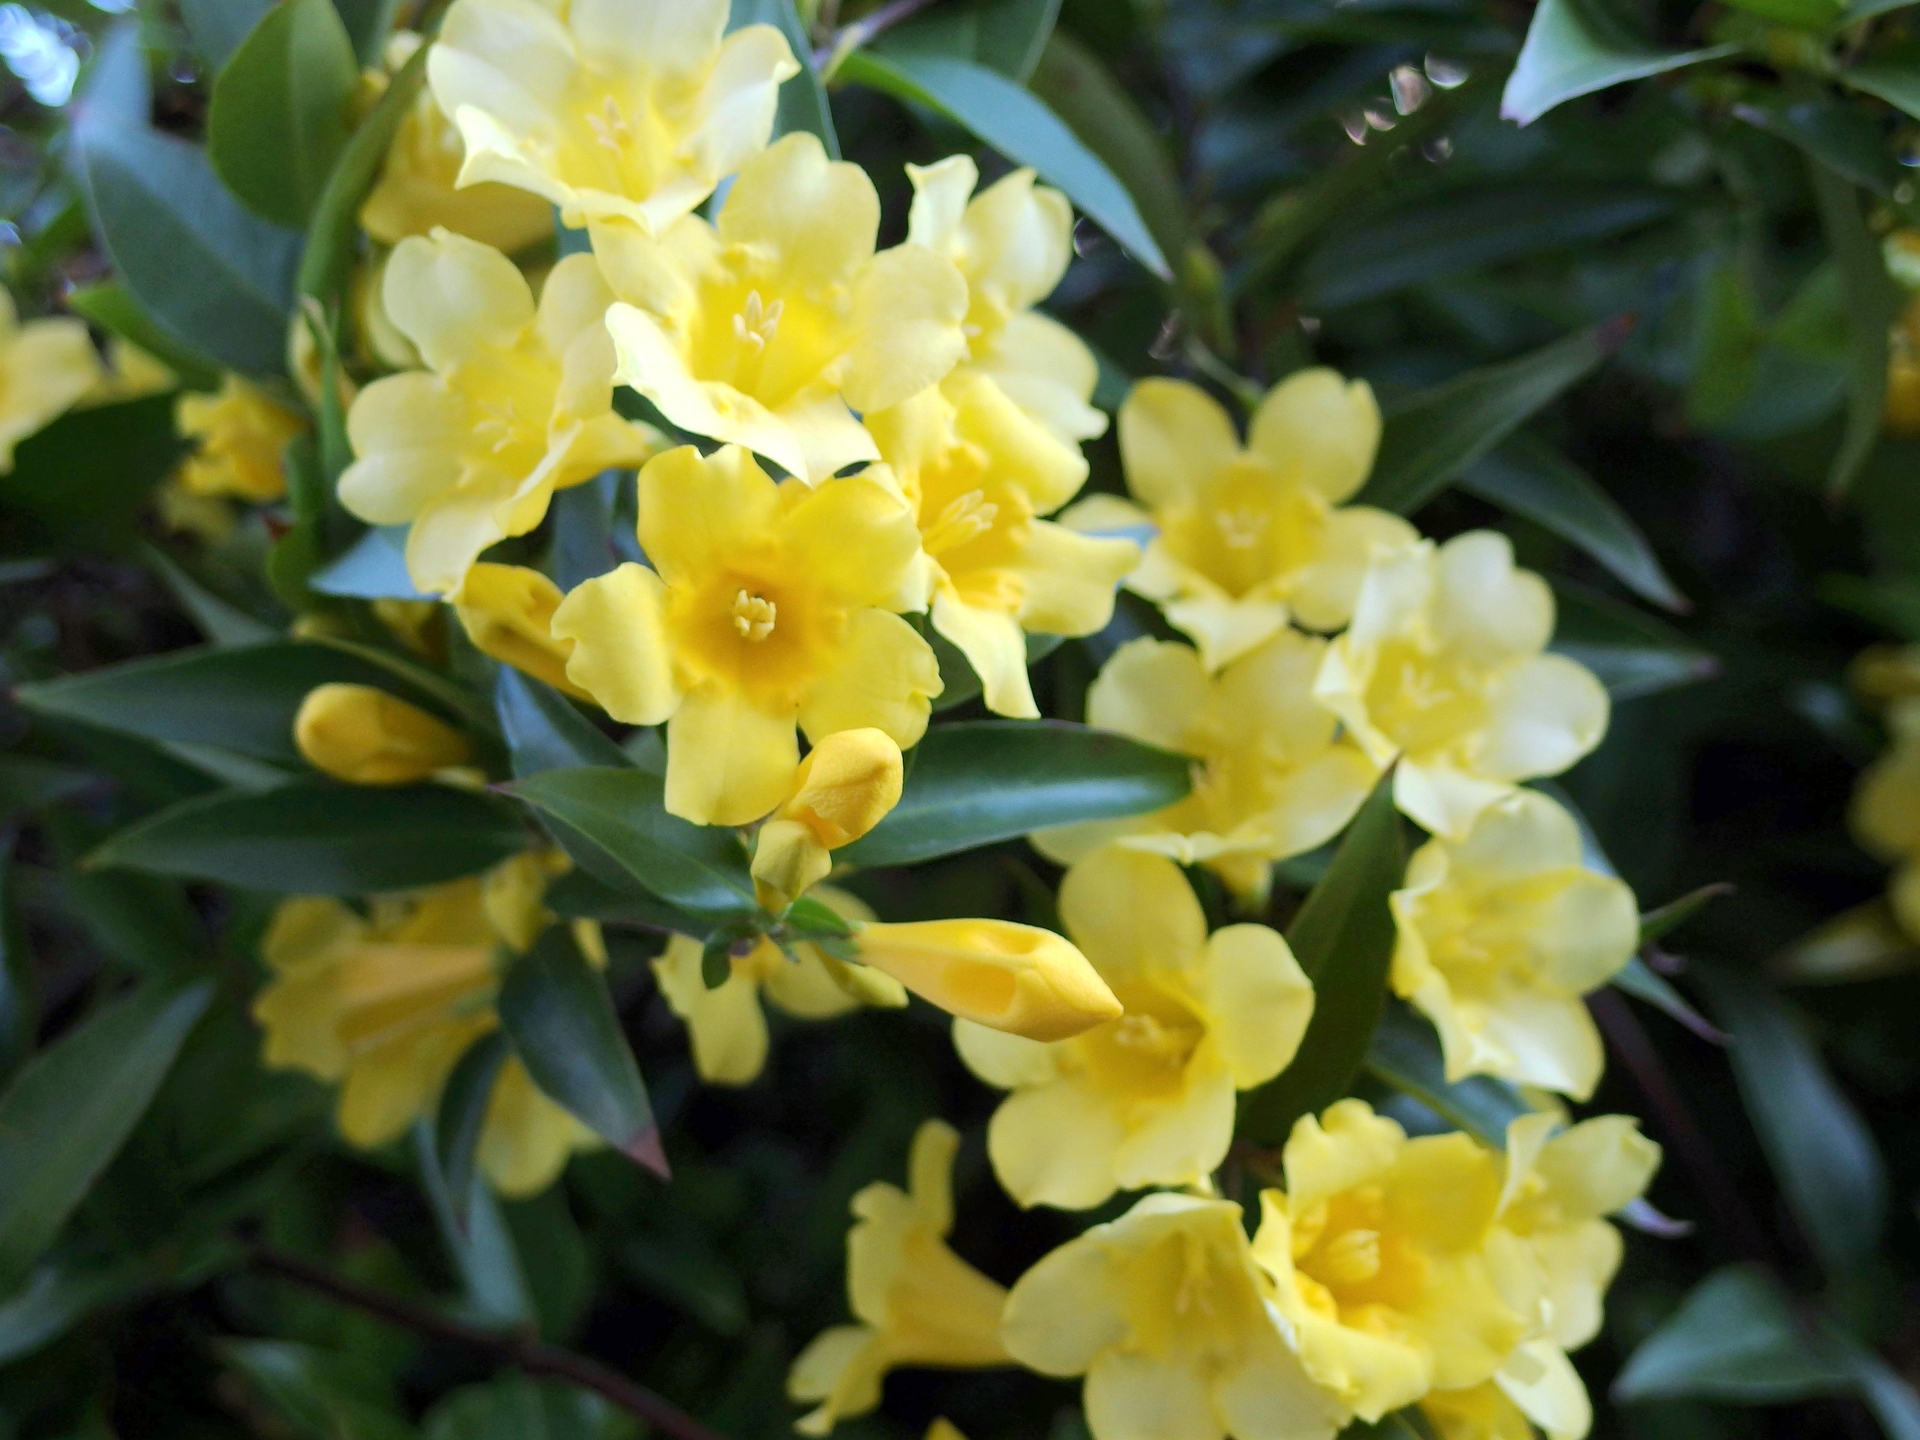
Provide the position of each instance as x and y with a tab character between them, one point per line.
828	57
522	1351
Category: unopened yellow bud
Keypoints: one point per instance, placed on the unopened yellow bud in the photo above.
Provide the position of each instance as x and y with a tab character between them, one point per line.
508	613
1016	978
365	736
846	786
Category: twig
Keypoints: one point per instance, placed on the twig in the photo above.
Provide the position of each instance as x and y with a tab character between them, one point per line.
828	57
522	1351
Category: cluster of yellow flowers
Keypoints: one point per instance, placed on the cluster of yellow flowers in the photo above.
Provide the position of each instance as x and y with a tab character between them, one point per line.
1886	804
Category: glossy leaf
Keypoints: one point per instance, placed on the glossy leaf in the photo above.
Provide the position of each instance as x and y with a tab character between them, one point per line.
67	1113
1343	938
1574	48
1649	986
980	782
1529	478
1003	35
629	840
1431	437
580	895
125	450
218	26
1021	128
220	622
556	1010
369	24
1735	1338
1405	1053
111	306
1872	301
1633	653
803	99
278	119
543	729
461	1116
323	839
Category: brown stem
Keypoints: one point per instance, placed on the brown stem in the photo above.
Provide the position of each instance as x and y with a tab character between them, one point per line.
522	1351
865	28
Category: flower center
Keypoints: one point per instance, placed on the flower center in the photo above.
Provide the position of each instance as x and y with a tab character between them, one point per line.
755	323
753	616
610	126
1143	1055
1351	1258
963	518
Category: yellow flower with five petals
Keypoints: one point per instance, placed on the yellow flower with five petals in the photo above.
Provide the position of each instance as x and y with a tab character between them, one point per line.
768	604
629	109
515	403
1146	1098
764	329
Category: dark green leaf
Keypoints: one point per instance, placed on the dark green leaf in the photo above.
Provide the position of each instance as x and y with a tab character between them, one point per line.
1021	128
557	1011
218	26
220	622
1574	48
477	1242
59	1294
1735	1338
803	99
1343	938
1533	480
123	450
690	1276
1431	437
579	895
19	1004
1892	75
315	1395
716	960
369	23
1802	14
1405	1054
30	783
984	781
630	841
374	567
210	273
322	839
1003	35
68	1112
1649	986
1675	913
513	1407
462	1114
1633	653
1872	301
544	731
111	306
1838	135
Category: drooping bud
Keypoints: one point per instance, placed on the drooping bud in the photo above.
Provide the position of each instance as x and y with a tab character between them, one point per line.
846	786
1016	978
365	736
508	613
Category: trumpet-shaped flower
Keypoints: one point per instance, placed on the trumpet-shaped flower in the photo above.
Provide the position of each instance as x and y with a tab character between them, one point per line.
993	974
1174	1326
845	787
629	109
1443	669
762	331
507	611
1886	810
239	437
726	1024
1272	775
1250	537
385	1005
980	474
46	366
1386	1261
915	1301
1148	1097
1012	242
768	603
1501	934
364	736
516	402
418	190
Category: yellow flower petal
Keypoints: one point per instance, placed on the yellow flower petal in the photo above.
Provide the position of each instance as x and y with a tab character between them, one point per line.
728	1032
507	612
728	761
1320	430
1259	999
882	675
365	736
525	1138
1132	913
1543	1383
1056	1143
452	296
1011	977
1173	436
621	654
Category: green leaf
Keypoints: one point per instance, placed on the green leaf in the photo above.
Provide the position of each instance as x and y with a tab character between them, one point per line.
556	1010
218	26
369	24
242	698
1405	1053
1892	75
803	99
544	731
1021	128
513	1407
221	623
1529	478
1669	917
1004	35
1736	1339
478	1243
123	450
1429	438
30	783
323	839
629	841
1839	135
59	1294
315	1395
278	119
1574	48
210	273
69	1111
374	567
1343	938
1821	1151
1633	653
580	895
1802	14
1860	10
985	781
462	1114
1872	301
1650	987
111	306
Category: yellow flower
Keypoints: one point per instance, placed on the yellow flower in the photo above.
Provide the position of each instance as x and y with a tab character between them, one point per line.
46	366
1272	775
1012	242
1148	1098
845	787
240	439
1380	1253
515	404
632	109
385	1005
129	374
980	473
726	1025
1482	1413
1017	979
1250	537
507	611
1443	669
417	191
917	1302
1881	673
769	603
1174	1326
1886	810
365	736
763	331
1501	934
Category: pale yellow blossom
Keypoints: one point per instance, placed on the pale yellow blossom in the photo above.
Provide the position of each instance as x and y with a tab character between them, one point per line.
507	611
239	437
46	367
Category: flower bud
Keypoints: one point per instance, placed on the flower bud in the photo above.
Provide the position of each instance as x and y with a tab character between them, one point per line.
1016	978
365	736
846	786
508	613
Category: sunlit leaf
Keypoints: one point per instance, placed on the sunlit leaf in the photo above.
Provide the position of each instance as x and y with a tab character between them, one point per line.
1573	48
